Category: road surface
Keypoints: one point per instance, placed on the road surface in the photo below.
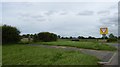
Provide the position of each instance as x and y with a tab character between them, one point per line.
114	59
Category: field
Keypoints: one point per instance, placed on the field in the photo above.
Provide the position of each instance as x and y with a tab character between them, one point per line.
23	54
81	44
19	54
0	55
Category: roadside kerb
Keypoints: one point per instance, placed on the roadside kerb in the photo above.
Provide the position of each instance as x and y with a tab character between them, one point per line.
104	63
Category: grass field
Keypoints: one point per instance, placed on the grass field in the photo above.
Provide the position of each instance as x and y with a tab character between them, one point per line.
19	54
0	55
78	44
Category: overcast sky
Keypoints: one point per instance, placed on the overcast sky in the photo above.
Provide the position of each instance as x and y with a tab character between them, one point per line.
62	18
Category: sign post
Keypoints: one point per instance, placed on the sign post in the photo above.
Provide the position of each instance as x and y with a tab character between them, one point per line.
103	32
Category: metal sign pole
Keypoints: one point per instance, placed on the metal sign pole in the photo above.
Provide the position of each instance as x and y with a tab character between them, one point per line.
104	35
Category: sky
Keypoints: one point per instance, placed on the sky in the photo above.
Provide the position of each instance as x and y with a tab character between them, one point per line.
60	0
62	18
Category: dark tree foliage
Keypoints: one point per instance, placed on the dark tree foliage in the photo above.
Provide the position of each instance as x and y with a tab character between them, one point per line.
65	37
104	37
10	34
27	35
75	39
112	38
71	37
24	36
81	37
62	38
90	37
119	37
46	36
59	36
35	37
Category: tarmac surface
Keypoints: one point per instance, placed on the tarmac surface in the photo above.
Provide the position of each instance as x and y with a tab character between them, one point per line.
114	61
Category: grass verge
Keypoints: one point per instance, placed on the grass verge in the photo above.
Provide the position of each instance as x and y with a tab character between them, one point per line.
33	55
85	45
0	55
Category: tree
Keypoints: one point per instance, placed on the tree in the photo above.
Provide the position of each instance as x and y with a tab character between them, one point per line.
104	37
59	36
112	38
90	37
35	37
10	34
25	35
80	37
66	37
71	37
62	38
119	37
46	36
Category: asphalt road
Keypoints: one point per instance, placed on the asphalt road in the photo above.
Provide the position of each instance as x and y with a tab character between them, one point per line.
115	59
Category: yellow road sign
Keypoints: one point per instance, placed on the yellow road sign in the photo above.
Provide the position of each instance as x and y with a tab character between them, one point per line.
104	30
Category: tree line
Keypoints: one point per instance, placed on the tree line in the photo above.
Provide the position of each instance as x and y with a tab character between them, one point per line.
11	34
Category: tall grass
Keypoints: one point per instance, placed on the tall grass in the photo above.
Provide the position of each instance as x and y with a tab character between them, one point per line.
0	55
78	44
34	55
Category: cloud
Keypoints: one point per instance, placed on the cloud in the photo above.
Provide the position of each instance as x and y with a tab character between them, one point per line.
41	19
32	17
103	12
59	18
86	13
110	19
114	6
60	1
23	14
111	22
49	13
63	12
37	16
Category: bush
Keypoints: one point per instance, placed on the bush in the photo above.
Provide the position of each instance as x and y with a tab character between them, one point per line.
111	40
10	34
35	38
47	37
75	39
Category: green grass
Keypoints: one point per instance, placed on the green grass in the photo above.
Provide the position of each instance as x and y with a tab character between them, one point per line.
35	55
78	44
0	55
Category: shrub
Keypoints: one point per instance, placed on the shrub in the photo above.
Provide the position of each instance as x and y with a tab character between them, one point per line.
111	40
75	39
10	34
46	36
35	38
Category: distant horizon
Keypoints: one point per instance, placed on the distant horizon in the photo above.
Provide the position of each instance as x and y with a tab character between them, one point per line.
66	36
58	33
